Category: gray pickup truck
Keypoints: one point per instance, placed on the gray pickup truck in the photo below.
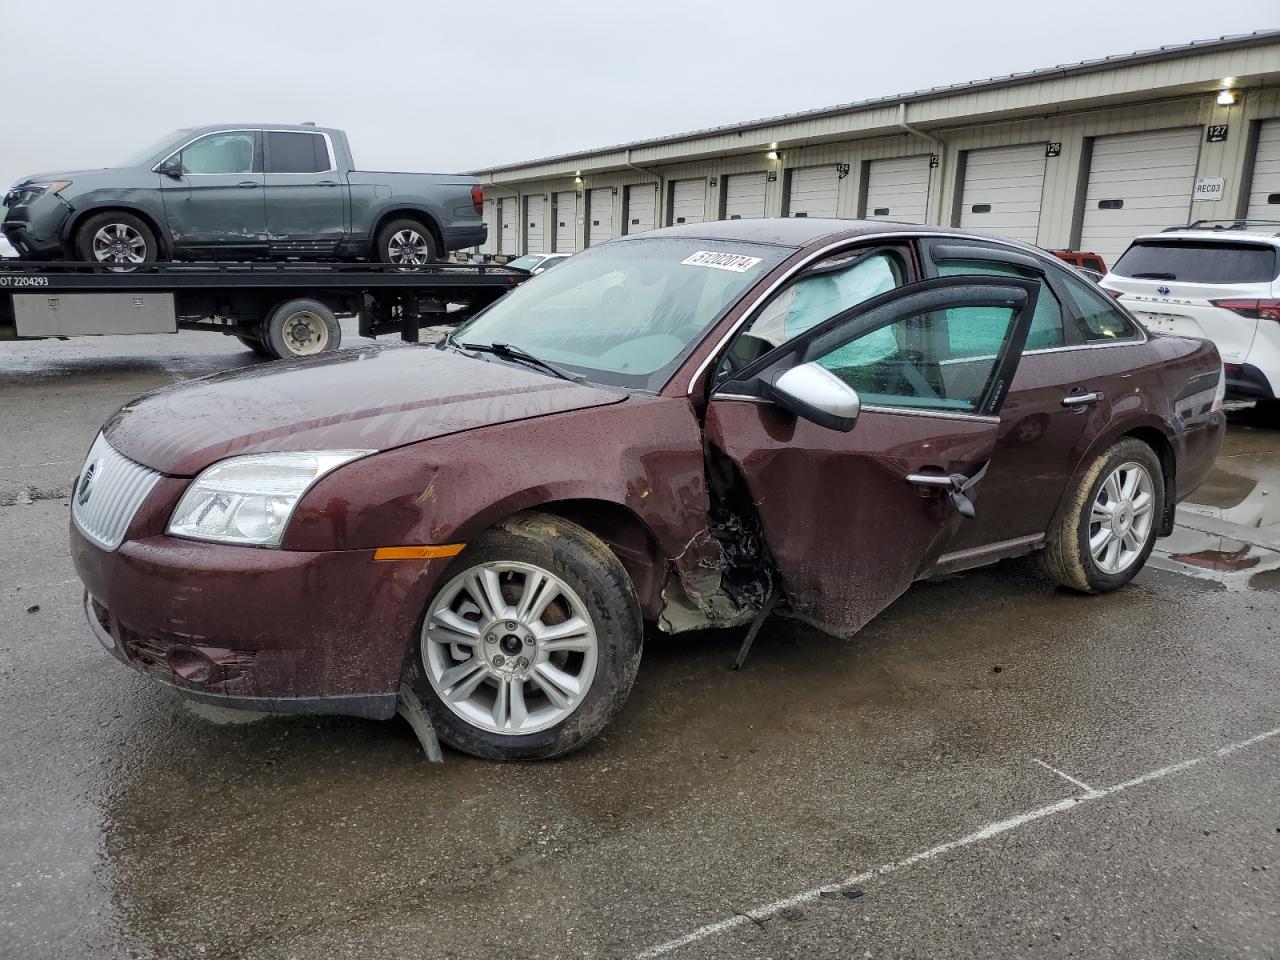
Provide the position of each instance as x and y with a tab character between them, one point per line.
243	190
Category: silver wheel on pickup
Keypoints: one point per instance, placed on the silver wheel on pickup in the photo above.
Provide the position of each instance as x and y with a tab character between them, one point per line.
118	239
405	242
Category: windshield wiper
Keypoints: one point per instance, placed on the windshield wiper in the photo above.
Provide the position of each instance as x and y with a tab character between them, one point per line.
1153	276
509	351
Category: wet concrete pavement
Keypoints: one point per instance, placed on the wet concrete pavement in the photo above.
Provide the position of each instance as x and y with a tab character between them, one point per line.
705	820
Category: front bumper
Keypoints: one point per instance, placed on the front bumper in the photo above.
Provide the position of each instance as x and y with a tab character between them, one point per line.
35	231
272	630
29	244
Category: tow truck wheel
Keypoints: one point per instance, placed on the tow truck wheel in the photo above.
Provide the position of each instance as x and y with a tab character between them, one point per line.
116	237
256	345
405	242
301	328
531	642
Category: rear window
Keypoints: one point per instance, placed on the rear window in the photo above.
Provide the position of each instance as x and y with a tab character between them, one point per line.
296	153
1205	261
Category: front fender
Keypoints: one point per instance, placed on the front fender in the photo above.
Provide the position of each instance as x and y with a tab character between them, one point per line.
133	199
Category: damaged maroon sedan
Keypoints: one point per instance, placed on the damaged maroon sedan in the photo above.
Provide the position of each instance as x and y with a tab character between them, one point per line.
694	427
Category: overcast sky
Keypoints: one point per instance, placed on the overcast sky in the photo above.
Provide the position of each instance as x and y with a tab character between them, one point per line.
452	86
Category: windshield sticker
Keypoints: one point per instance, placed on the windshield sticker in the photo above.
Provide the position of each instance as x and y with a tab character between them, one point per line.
721	261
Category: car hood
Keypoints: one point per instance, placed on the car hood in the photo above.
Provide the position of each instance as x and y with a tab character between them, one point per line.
72	175
372	398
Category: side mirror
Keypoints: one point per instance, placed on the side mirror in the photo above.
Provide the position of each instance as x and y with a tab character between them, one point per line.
171	168
817	394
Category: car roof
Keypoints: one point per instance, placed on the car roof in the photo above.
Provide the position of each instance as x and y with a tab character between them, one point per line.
1257	234
800	231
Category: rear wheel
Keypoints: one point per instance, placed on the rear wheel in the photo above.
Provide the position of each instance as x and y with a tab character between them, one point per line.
116	237
405	242
256	345
531	644
301	328
1108	527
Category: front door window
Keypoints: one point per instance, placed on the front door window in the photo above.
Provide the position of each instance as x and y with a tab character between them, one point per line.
231	152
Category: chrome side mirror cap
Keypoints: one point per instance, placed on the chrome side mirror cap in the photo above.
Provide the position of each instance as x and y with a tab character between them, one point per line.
815	393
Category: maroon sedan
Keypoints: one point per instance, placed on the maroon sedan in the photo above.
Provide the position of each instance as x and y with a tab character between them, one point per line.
695	427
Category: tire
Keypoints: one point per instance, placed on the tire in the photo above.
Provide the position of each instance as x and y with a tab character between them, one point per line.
600	596
405	241
301	328
256	345
117	237
1068	556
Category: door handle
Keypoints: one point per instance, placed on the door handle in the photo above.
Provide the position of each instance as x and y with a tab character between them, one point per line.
327	183
929	480
957	486
247	184
1081	399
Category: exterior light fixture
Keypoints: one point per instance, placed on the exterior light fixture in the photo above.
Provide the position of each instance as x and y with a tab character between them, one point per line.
1226	97
773	155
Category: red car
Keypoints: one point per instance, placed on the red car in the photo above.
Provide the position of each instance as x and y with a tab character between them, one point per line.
695	427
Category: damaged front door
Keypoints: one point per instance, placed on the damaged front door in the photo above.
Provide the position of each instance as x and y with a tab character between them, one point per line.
853	512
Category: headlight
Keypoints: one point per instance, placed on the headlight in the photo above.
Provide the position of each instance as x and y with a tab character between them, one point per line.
250	499
23	195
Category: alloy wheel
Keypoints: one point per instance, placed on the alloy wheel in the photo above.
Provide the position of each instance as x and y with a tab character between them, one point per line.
509	647
119	243
408	246
1121	518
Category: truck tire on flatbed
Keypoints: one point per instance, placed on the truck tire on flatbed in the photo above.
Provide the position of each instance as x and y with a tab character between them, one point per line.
405	241
117	237
301	328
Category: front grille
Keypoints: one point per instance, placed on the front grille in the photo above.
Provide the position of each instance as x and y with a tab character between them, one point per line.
109	492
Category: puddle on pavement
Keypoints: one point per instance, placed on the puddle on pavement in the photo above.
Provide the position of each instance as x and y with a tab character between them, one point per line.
1249	500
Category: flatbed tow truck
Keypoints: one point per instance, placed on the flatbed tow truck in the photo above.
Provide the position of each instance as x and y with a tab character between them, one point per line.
284	309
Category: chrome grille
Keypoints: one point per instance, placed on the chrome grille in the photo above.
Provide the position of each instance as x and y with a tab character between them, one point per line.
107	495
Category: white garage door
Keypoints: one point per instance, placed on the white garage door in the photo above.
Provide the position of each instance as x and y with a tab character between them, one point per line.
642	207
898	189
1264	191
490	244
812	192
507	225
688	201
566	214
1002	188
1138	183
743	196
534	223
599	215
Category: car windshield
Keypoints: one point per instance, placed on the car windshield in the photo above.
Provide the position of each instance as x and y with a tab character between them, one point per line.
625	313
155	150
527	262
1200	261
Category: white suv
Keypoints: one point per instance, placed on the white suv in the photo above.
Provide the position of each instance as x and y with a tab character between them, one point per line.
1219	283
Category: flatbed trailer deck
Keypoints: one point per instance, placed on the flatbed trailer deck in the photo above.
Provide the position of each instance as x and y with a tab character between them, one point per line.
278	308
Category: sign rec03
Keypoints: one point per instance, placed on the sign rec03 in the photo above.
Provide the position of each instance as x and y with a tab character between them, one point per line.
1208	188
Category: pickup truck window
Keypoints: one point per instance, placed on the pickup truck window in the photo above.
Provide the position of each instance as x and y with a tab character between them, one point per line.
297	153
230	152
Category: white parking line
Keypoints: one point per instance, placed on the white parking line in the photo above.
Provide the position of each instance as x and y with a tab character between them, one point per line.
1070	779
763	912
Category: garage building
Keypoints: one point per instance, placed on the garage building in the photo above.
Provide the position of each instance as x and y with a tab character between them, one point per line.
1083	156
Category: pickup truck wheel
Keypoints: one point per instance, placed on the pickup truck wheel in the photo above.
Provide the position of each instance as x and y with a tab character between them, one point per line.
405	242
531	642
301	328
116	237
1108	527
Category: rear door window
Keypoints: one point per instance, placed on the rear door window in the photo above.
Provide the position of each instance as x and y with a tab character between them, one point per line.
1198	261
1046	324
297	153
1100	319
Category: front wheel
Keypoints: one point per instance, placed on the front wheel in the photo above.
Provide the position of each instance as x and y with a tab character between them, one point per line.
405	242
117	238
1108	527
531	644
